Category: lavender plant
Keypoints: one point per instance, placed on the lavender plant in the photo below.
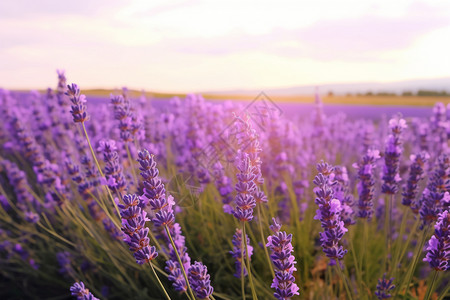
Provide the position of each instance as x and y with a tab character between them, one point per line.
67	216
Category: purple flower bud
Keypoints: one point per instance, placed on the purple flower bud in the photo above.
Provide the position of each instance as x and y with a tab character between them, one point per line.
78	103
392	154
383	287
31	217
236	252
81	292
366	183
436	197
329	213
280	244
199	280
438	255
415	175
245	202
133	226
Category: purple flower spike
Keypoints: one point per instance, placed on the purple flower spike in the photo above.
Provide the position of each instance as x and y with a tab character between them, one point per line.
366	183
113	169
81	292
280	244
236	252
78	103
223	184
415	175
392	154
133	226
436	197
164	217
200	280
31	217
438	255
245	187
329	213
383	287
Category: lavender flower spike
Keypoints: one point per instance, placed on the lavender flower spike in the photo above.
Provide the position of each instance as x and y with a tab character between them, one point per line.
436	197
438	255
280	243
245	187
415	175
236	252
78	108
383	287
200	280
392	154
366	183
133	226
81	292
329	213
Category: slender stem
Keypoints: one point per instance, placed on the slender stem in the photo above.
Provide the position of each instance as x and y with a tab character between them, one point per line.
347	289
355	261
180	262
133	171
99	169
387	227
92	150
410	272
159	281
441	297
430	288
248	265
400	241
269	262
242	264
363	247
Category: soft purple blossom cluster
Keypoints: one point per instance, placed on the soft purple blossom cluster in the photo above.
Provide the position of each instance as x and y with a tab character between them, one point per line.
436	197
248	142
245	188
81	292
280	244
224	186
134	229
384	286
237	252
113	169
416	173
329	213
438	249
366	184
392	153
200	280
78	100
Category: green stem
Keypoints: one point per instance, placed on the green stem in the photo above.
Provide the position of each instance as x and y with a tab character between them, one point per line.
355	261
410	272
347	289
242	264
248	265
430	288
445	293
387	228
133	171
159	281
180	262
263	242
99	169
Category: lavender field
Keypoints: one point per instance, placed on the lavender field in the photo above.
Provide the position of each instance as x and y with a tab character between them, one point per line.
185	198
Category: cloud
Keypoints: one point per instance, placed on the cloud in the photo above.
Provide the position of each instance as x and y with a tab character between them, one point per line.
25	8
348	39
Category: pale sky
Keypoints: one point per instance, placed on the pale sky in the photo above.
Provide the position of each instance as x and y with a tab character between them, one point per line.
195	45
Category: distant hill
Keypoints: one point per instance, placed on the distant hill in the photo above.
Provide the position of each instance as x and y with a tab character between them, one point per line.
398	87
